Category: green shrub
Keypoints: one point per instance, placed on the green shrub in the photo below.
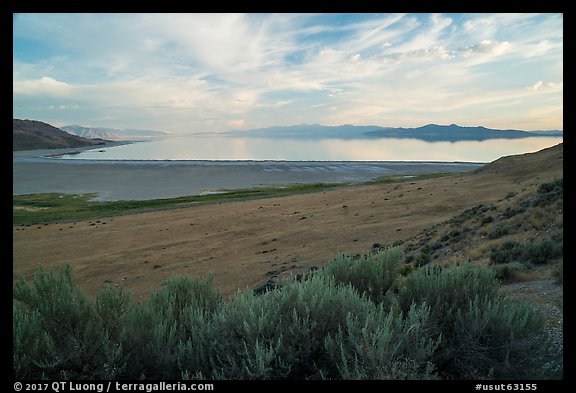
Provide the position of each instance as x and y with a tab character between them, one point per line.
406	269
319	329
480	332
423	258
169	332
383	346
280	335
444	288
32	347
371	274
359	318
60	333
454	236
487	220
532	253
470	213
512	211
497	338
509	251
434	246
542	252
549	192
75	337
507	271
499	231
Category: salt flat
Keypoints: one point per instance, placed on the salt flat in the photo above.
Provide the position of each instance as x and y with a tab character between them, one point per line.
140	180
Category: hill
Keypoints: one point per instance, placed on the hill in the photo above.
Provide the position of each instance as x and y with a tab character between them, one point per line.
453	132
528	221
430	132
114	134
32	134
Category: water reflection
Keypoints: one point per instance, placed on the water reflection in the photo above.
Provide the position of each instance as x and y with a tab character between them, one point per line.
383	149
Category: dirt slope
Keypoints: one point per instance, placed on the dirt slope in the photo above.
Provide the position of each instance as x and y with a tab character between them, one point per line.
245	243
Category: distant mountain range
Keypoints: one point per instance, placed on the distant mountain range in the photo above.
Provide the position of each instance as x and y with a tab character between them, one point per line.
113	134
32	134
430	132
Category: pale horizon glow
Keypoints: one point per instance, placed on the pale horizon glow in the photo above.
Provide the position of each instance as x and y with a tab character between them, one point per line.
186	73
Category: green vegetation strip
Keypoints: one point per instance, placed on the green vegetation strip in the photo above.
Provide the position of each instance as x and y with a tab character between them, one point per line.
57	207
405	178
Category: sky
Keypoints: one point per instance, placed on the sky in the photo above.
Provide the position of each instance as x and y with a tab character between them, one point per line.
187	73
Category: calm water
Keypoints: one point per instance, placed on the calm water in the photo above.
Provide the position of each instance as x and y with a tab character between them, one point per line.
384	149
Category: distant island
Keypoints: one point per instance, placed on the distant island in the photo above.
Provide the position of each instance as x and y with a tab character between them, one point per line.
32	135
113	134
429	132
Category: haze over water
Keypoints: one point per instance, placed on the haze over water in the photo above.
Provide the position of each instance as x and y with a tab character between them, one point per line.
382	149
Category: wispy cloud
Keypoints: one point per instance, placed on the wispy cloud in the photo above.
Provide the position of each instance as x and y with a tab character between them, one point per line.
208	72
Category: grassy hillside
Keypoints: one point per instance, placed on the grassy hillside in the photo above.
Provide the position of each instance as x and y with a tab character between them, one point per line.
31	135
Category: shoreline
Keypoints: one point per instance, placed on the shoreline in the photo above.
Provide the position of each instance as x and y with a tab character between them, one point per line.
37	171
55	155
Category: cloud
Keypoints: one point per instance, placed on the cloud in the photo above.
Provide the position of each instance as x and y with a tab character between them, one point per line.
424	37
537	86
485	47
63	107
432	53
488	26
556	86
540	48
548	87
209	70
44	86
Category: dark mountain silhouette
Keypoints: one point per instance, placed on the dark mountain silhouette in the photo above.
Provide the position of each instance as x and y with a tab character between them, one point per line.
453	132
32	134
430	132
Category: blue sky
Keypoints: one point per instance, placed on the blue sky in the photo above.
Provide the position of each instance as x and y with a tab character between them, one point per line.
214	72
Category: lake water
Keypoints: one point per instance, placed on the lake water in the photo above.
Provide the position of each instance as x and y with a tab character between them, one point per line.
260	149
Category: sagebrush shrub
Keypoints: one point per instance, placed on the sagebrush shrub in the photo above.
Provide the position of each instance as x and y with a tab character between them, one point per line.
358	318
385	345
494	338
543	251
481	333
506	272
540	252
290	324
371	274
509	251
75	336
169	331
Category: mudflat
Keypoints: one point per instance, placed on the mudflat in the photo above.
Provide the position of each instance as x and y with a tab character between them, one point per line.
244	243
140	180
